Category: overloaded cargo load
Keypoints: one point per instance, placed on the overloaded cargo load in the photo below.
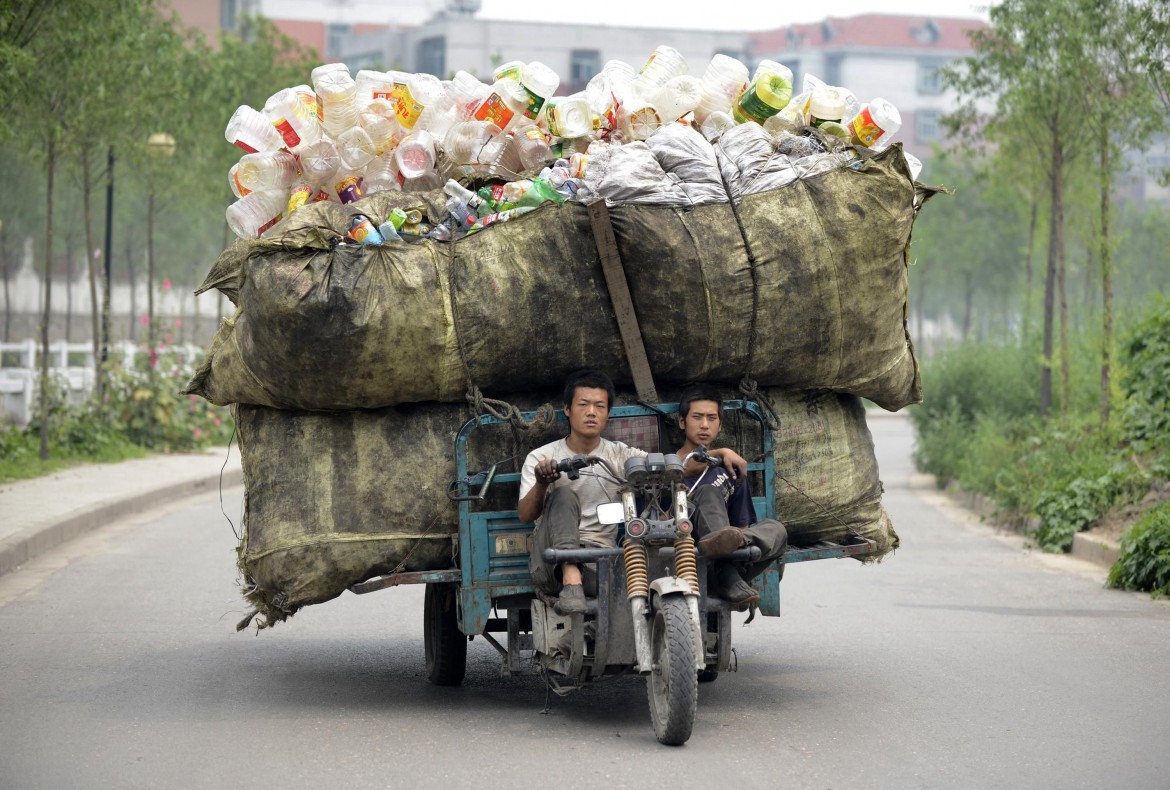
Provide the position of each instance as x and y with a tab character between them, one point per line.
334	499
802	286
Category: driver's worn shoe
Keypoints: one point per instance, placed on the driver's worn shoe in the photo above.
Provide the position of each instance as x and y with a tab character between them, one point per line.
731	587
571	600
721	542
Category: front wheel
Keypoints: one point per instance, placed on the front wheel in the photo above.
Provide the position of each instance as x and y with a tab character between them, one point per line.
446	646
673	687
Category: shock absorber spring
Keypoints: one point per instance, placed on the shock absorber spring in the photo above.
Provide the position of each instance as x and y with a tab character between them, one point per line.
684	562
637	578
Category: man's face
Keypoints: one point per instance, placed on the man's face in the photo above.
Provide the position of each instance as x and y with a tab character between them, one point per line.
701	423
588	411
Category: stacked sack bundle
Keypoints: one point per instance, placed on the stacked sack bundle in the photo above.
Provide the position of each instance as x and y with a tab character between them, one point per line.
775	256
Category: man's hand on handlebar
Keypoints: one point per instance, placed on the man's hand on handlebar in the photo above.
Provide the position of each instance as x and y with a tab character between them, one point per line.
547	472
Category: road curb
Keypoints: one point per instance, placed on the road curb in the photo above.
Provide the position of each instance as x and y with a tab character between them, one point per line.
1091	548
15	550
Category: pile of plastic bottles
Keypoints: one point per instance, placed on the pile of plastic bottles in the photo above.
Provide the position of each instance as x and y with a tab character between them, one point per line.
347	137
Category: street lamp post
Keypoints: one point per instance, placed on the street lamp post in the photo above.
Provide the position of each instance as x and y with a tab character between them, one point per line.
160	145
108	270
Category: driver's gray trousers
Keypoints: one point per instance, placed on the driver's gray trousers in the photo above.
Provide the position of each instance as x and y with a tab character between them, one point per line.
557	528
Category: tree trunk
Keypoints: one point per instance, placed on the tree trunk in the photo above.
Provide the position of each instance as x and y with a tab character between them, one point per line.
1027	329
1061	284
968	298
1055	254
150	269
69	289
91	263
1106	283
107	276
50	164
133	291
7	285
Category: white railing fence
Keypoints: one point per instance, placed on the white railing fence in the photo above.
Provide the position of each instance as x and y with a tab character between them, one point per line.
72	365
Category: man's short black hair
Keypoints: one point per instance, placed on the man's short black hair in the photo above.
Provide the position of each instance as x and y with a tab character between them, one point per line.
589	378
697	392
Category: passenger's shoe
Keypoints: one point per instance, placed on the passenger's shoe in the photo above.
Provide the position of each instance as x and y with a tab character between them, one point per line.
571	600
731	587
722	542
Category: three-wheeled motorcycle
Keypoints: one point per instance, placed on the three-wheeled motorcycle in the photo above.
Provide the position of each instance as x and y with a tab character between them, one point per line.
651	614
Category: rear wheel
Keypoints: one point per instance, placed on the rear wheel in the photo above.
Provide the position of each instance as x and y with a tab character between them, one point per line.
673	687
446	646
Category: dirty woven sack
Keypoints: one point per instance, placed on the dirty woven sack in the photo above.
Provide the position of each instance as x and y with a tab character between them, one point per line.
827	485
800	287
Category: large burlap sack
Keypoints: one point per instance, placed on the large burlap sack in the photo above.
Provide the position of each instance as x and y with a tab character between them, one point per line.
801	287
827	485
334	499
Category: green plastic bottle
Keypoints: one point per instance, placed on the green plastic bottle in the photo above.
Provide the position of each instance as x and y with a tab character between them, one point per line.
768	94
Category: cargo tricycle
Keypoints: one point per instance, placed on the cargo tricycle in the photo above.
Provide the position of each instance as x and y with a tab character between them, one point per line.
651	613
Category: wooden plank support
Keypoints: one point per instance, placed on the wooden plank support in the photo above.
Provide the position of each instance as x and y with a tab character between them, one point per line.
623	304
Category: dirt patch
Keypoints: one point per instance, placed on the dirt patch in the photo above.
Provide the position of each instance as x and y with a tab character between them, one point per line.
1118	521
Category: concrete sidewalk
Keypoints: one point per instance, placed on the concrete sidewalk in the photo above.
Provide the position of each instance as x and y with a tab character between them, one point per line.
36	515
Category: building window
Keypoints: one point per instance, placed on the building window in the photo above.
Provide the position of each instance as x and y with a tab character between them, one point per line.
927	34
929	79
432	56
227	14
583	65
929	130
336	36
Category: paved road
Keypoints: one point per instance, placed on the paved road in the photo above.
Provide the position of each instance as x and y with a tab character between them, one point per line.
963	661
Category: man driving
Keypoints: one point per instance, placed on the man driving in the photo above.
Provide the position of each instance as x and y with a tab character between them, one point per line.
565	511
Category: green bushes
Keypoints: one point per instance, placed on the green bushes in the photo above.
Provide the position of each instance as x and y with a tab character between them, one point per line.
979	426
142	411
1144	563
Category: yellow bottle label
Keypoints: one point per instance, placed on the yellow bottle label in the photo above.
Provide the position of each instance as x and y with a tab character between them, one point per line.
299	197
864	130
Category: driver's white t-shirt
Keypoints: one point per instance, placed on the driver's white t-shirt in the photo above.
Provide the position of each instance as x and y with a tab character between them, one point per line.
594	487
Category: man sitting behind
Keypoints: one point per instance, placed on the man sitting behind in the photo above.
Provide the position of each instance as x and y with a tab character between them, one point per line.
722	510
565	511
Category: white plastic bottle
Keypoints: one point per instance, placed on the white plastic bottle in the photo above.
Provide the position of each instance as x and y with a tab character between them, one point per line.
421	90
415	155
253	215
293	114
238	189
679	96
249	130
723	80
267	170
639	120
539	82
664	63
355	148
319	161
875	124
568	116
382	175
532	146
338	94
380	124
373	85
512	70
466	93
504	106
